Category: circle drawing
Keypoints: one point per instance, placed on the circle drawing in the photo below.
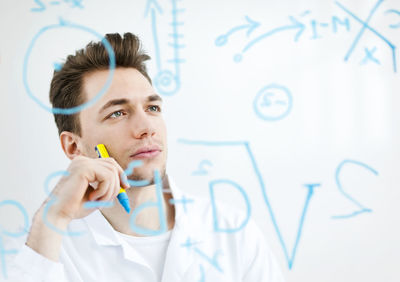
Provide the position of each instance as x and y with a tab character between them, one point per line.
273	102
73	110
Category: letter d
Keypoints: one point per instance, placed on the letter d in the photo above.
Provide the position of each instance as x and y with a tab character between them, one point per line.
217	228
158	204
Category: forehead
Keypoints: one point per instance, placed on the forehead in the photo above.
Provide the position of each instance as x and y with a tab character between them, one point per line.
127	83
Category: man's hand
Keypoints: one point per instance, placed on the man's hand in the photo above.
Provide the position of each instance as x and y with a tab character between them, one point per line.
74	190
70	194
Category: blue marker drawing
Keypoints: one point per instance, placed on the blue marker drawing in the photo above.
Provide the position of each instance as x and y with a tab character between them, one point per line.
184	201
64	24
294	25
50	177
57	66
250	27
314	25
89	204
310	193
4	252
41	7
369	56
75	3
21	208
166	81
213	261
396	12
98	204
273	102
152	5
202	170
336	21
305	13
154	8
217	228
189	244
202	274
149	204
365	26
300	27
129	170
361	208
51	201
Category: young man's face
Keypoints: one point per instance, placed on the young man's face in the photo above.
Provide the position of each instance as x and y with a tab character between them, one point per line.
127	120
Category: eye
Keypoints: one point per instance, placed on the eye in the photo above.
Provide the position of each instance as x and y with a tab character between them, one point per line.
116	114
155	108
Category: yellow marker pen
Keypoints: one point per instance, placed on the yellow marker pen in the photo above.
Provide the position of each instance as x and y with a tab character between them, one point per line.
122	196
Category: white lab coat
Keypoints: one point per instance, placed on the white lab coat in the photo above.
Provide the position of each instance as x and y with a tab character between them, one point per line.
195	251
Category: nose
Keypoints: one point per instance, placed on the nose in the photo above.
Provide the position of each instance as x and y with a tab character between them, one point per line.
142	125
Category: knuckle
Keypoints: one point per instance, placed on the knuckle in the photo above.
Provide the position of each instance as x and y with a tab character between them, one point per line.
114	170
111	174
115	163
111	160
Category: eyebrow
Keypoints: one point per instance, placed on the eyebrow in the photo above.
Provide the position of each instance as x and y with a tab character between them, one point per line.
124	101
153	98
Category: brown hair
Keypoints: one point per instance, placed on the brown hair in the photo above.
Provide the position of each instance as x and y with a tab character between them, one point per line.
66	85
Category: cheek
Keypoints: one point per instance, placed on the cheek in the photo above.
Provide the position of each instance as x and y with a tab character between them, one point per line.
162	129
88	149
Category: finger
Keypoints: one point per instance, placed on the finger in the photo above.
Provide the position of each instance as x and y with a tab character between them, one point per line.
114	163
88	192
111	164
116	187
114	168
110	191
100	191
103	175
123	179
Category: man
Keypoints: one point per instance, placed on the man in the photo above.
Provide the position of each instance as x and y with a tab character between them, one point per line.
70	241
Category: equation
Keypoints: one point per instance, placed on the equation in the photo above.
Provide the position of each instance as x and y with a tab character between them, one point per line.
298	26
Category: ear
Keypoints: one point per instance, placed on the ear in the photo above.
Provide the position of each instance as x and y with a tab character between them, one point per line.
70	144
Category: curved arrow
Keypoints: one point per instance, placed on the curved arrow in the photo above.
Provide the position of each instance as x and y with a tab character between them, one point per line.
250	26
295	25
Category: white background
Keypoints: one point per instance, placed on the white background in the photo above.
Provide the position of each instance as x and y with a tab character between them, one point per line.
341	110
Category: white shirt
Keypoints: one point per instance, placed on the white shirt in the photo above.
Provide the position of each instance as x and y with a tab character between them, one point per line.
153	249
195	251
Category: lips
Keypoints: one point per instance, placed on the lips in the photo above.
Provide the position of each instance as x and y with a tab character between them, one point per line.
146	152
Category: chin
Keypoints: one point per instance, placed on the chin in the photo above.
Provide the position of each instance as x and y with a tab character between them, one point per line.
147	174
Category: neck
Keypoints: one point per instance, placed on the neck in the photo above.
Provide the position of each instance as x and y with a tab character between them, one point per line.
148	217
